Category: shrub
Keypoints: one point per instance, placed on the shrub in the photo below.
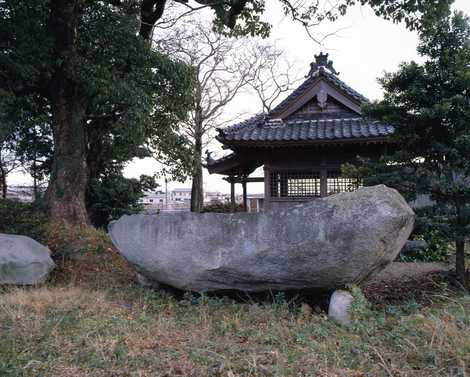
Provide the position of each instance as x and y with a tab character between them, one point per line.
21	218
220	207
438	249
113	195
361	311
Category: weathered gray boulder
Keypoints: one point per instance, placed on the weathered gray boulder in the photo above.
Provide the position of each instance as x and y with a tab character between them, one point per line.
325	243
23	261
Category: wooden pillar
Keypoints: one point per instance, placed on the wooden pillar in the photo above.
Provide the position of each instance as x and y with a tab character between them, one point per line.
323	183
267	186
323	176
232	194
245	206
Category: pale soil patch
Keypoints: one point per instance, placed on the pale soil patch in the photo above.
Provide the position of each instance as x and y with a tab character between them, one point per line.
406	271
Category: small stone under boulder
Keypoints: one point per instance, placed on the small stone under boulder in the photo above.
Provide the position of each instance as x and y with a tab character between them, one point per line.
340	306
23	261
322	244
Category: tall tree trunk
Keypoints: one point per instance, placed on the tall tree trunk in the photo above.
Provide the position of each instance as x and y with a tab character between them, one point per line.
3	182
460	269
35	189
65	196
35	179
197	188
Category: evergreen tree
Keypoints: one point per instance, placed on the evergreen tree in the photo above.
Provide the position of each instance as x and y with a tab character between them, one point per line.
429	105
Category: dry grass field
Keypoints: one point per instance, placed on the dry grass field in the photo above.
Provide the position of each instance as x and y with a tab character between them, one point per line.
66	330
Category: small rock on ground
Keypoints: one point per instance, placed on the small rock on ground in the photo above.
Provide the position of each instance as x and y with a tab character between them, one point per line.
339	308
23	261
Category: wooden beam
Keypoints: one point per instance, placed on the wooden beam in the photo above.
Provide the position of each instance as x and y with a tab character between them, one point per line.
245	205
254	179
267	186
232	195
241	179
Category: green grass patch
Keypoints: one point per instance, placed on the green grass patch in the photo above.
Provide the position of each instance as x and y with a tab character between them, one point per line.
60	330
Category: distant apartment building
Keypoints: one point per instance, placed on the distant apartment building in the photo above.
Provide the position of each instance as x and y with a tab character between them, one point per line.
20	193
215	197
175	200
181	195
179	199
154	198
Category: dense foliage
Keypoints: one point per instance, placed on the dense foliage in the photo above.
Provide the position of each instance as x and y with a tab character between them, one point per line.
21	218
87	70
222	207
245	17
82	105
429	105
114	196
436	247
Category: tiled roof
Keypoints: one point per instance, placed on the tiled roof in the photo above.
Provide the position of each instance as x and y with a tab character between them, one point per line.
330	77
256	120
346	129
311	128
227	157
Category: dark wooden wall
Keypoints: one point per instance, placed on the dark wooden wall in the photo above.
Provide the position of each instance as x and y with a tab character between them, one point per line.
322	159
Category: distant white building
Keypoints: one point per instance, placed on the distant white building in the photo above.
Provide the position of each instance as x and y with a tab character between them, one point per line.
215	196
23	194
153	199
181	195
179	199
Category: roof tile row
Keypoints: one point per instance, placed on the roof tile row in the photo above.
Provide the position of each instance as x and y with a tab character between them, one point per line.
320	129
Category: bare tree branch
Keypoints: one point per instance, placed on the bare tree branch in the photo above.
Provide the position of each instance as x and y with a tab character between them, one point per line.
274	74
222	67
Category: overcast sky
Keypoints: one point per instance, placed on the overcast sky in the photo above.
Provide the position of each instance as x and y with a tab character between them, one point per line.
363	47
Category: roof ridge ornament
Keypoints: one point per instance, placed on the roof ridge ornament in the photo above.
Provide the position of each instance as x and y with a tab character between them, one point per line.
209	159
321	61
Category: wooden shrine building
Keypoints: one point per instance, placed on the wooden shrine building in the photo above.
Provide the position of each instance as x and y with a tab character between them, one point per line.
303	141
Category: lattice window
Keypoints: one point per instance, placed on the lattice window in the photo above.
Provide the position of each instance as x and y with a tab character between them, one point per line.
300	184
336	183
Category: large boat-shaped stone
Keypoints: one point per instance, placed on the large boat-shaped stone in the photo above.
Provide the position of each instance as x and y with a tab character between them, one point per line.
321	244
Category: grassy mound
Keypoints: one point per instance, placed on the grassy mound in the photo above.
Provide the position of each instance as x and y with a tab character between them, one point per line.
86	256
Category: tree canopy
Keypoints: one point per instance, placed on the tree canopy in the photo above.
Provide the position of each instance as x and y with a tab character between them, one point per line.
130	98
87	69
429	105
